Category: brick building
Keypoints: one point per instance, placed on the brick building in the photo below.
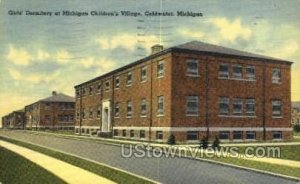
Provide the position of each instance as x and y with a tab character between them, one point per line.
54	112
16	119
296	113
5	121
190	90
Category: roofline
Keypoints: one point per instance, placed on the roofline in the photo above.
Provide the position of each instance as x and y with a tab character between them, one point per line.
174	49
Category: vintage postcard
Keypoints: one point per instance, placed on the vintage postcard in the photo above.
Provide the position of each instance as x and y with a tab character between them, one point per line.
160	91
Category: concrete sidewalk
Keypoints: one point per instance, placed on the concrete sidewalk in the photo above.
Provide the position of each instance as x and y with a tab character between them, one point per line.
67	172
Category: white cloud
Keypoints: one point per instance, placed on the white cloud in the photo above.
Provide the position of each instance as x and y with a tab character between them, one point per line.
230	30
87	62
42	55
62	57
18	56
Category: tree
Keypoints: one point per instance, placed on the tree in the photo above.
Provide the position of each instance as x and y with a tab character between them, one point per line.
297	127
204	142
171	140
216	143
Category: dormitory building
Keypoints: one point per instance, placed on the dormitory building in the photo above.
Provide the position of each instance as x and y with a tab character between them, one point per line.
191	90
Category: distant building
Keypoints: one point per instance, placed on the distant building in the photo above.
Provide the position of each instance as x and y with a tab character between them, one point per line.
295	113
54	112
190	90
5	121
16	119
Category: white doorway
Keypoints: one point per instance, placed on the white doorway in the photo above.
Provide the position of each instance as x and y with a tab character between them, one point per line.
106	119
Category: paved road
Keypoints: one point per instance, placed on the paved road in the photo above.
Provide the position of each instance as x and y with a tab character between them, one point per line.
165	170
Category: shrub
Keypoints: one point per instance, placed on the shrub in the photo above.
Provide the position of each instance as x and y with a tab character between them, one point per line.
216	143
204	142
171	140
297	128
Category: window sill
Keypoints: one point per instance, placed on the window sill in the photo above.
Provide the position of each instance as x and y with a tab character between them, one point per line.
128	85
192	75
253	140
143	81
128	117
238	140
192	141
277	117
160	76
117	88
160	115
143	116
192	115
116	117
273	82
278	139
235	116
237	79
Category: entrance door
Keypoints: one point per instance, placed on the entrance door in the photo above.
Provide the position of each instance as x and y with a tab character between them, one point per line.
106	116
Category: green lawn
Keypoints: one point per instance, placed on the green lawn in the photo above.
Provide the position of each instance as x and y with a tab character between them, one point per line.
296	133
107	172
16	169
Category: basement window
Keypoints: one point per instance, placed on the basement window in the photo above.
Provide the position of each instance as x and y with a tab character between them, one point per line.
277	135
224	135
250	135
237	135
159	135
142	134
192	135
131	133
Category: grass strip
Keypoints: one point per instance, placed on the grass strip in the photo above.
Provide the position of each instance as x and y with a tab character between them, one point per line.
101	170
16	169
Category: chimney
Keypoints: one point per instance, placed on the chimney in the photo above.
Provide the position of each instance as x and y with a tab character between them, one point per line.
54	93
156	48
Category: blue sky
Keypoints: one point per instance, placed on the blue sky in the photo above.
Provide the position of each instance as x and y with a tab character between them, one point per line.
40	54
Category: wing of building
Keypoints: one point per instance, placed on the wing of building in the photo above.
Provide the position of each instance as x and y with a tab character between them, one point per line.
191	90
54	112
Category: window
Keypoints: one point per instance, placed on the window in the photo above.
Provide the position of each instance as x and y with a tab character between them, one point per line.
98	111
250	135
77	114
160	105
91	113
142	134
47	117
250	107
159	135
129	108
83	92
107	86
192	105
237	106
277	135
250	72
237	135
47	106
276	107
276	75
99	87
192	67
129	78
117	82
117	109
71	117
143	107
192	135
223	135
131	133
124	133
90	90
144	74
237	71
83	113
224	105
66	118
161	69
116	132
223	71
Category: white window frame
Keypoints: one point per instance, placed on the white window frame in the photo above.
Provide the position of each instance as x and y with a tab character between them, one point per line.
189	110
117	82
143	103
117	112
129	82
129	113
161	69
160	105
223	101
144	77
99	86
107	87
276	78
224	74
239	102
192	72
250	75
250	102
236	75
276	103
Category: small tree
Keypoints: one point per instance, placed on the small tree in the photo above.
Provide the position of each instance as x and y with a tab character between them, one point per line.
216	143
297	127
204	142
171	140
